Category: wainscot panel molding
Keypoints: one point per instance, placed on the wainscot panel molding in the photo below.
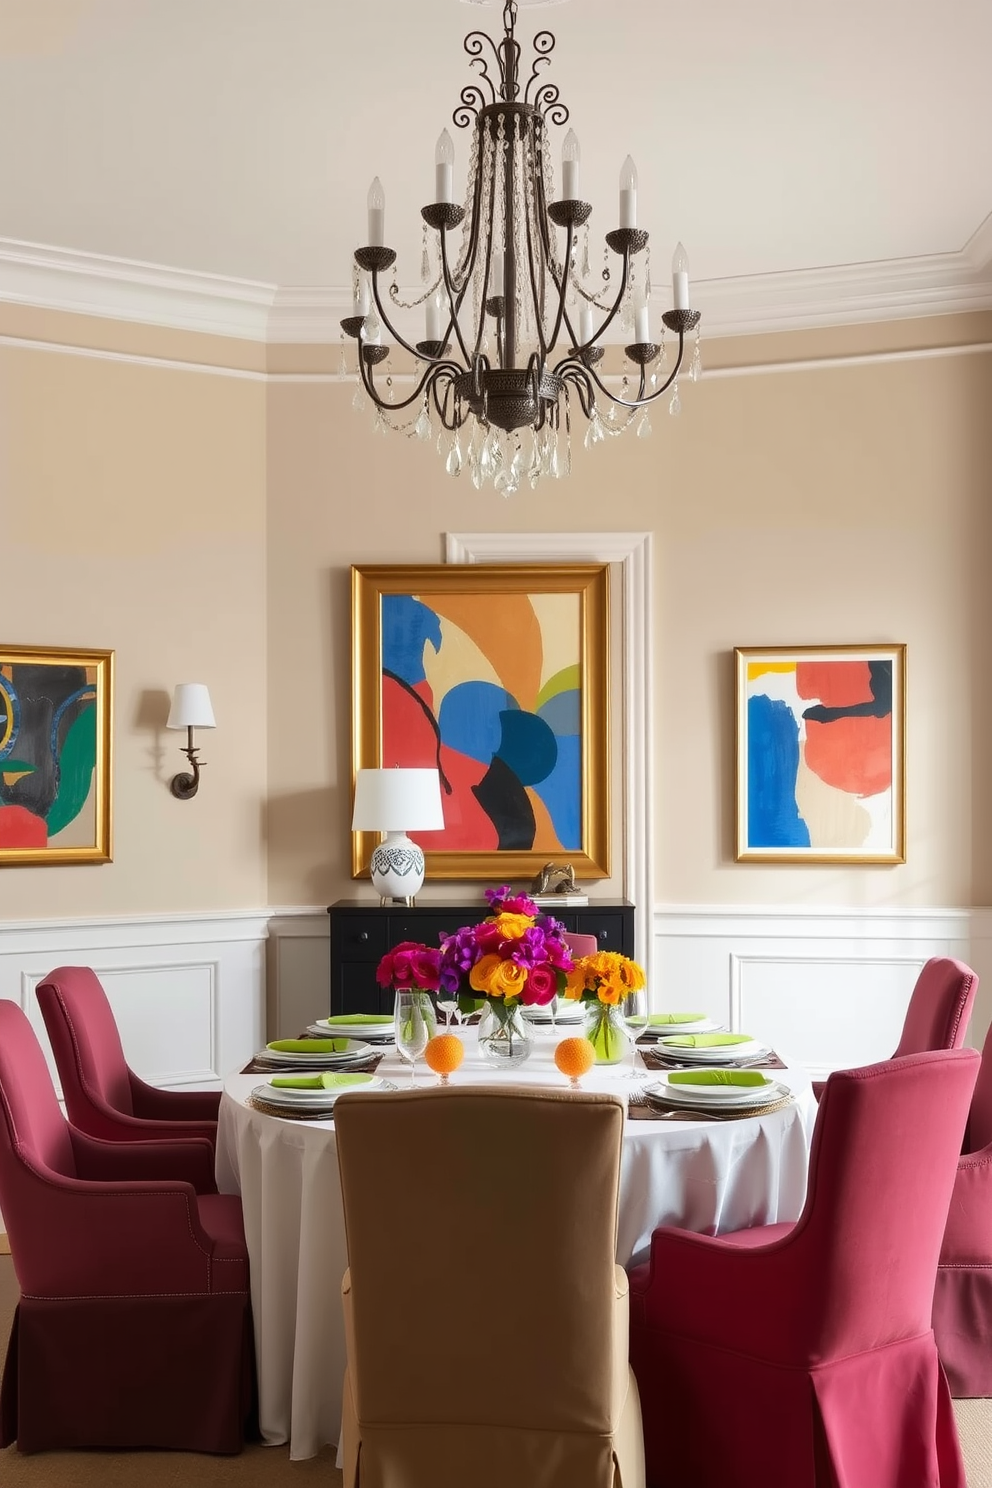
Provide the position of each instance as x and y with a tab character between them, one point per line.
299	969
827	987
187	989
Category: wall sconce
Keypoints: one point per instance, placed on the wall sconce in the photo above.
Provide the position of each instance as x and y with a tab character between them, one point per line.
395	802
190	709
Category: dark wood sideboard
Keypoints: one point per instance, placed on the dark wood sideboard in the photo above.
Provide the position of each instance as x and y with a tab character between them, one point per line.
362	932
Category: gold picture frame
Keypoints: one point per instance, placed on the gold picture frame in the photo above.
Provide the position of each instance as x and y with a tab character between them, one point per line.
56	755
433	649
821	754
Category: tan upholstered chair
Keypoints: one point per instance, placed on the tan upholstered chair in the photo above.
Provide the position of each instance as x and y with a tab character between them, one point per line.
486	1320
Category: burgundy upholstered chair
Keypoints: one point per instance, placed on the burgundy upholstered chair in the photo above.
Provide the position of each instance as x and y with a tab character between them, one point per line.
580	945
103	1097
962	1303
134	1323
802	1354
939	1009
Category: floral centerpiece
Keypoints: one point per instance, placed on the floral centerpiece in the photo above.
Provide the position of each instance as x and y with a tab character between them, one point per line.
603	981
514	958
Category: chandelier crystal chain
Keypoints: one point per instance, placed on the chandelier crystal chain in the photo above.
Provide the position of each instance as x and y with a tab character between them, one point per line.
511	335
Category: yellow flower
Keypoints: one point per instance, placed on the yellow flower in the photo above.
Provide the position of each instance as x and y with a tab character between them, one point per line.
507	979
575	982
480	975
512	926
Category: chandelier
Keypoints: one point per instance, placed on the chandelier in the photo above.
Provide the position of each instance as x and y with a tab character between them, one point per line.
513	314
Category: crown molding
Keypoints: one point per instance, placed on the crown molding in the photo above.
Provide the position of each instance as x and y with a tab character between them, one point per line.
212	304
127	289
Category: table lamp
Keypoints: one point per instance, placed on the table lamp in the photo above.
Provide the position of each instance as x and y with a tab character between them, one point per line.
396	802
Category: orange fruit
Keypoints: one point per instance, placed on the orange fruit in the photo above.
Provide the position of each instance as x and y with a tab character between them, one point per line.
444	1053
575	1057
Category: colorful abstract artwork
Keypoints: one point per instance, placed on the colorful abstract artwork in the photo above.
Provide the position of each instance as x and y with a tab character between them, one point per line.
55	717
820	753
496	676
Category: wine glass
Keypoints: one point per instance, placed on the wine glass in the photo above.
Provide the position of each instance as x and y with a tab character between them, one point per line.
415	1024
448	1003
636	1019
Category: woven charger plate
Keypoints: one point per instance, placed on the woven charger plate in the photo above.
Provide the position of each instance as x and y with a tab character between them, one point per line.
657	1108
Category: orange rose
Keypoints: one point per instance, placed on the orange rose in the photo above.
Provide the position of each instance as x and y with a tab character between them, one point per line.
508	979
479	976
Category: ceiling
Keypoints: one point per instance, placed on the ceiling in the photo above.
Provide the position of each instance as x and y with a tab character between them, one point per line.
835	160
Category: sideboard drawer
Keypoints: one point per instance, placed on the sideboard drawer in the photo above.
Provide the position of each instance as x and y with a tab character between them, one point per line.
361	937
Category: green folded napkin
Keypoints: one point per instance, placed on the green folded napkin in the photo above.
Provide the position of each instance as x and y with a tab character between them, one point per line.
309	1046
717	1077
329	1080
350	1018
664	1020
706	1040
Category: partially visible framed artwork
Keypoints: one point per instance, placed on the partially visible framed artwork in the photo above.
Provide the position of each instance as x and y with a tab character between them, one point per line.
498	676
821	747
56	712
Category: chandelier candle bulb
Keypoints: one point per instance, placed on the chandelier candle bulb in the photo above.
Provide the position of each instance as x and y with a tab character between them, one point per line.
360	300
377	214
434	318
680	279
372	332
585	325
642	321
570	158
444	166
628	194
496	277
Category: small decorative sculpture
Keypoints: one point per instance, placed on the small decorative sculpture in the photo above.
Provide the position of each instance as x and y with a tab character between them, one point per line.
555	878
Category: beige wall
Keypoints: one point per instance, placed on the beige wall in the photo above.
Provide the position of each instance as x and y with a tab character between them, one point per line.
134	519
203	526
841	503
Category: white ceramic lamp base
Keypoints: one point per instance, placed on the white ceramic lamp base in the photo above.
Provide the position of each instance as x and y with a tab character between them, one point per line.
398	868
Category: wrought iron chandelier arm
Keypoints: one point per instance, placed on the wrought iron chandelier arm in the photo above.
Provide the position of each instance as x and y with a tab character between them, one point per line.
446	375
579	377
369	381
487	266
393	332
562	286
455	297
571	364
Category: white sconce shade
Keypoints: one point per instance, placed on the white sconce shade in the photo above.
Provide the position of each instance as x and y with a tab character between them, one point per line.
397	801
191	707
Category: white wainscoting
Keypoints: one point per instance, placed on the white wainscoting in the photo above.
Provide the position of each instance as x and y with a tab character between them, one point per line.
299	970
188	991
827	987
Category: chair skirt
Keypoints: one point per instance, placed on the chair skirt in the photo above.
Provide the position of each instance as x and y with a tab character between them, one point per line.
722	1419
962	1325
158	1372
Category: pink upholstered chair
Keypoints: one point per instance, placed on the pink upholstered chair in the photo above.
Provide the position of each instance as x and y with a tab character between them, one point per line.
580	945
102	1095
134	1324
802	1355
938	1011
962	1303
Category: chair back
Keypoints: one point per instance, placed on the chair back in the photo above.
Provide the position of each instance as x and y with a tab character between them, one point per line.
980	1118
939	1009
481	1227
580	945
85	1041
882	1168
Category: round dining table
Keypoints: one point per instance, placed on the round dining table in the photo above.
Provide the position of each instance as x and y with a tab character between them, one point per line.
711	1176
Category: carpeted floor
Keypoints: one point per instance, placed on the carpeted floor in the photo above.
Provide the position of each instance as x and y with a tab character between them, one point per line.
270	1467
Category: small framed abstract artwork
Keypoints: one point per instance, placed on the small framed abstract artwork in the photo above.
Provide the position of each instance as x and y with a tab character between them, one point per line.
56	711
821	745
497	675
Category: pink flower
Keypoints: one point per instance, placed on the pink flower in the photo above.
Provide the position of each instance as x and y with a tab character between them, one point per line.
542	984
409	965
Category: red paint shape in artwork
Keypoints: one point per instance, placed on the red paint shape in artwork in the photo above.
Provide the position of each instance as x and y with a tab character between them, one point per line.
837	684
852	754
467	828
408	737
21	828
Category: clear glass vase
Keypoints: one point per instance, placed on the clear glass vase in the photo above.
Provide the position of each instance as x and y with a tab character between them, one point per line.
504	1035
605	1029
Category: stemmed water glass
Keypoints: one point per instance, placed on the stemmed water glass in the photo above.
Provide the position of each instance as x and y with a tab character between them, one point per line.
636	1018
415	1024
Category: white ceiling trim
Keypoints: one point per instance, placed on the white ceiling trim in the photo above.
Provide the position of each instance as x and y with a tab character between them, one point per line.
152	294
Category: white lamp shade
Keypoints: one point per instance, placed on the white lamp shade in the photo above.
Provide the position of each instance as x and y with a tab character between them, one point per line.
191	707
397	801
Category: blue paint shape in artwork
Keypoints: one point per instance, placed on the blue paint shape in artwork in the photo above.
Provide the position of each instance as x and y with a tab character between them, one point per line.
561	793
406	627
527	746
470	719
562	713
773	818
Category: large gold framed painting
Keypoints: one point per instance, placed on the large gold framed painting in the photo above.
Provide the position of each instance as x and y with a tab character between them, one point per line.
497	676
56	708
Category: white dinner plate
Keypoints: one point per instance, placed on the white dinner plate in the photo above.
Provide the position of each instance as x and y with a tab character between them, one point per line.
719	1095
368	1032
666	1030
712	1053
320	1100
572	1013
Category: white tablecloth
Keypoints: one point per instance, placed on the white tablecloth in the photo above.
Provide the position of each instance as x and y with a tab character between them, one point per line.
707	1176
